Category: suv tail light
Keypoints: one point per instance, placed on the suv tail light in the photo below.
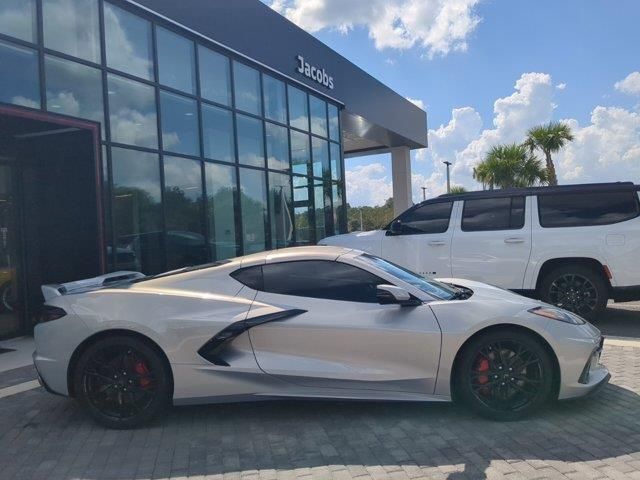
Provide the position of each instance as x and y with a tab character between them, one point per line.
50	313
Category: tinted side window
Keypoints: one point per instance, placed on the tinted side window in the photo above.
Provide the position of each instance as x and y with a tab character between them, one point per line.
321	279
430	218
250	276
493	214
584	209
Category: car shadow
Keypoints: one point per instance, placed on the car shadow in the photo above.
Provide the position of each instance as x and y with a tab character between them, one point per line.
620	321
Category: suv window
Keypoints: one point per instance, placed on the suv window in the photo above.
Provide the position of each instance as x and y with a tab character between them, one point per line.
429	218
585	209
487	214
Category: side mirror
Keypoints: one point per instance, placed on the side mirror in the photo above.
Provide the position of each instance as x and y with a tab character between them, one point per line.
395	228
392	295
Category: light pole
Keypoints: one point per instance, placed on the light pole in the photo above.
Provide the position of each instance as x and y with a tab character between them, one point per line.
424	193
448	164
361	227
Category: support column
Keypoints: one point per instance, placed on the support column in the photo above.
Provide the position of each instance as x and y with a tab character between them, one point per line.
401	174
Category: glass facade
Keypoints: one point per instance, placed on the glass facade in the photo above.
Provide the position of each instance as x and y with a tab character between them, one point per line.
206	156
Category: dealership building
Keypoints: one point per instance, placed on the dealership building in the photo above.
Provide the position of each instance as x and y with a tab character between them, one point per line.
154	134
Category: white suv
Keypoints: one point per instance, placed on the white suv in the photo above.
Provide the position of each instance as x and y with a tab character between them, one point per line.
573	246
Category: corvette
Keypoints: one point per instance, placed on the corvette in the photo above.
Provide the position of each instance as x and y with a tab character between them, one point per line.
307	322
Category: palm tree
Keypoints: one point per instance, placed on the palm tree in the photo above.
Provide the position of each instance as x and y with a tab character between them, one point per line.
508	166
549	139
457	189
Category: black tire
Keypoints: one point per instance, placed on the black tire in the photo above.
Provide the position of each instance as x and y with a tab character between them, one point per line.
577	288
122	382
499	393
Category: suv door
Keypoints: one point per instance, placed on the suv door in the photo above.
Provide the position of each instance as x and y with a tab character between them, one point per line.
493	243
341	337
420	240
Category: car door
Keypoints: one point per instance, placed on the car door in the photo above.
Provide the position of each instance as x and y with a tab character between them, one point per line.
420	240
338	335
493	243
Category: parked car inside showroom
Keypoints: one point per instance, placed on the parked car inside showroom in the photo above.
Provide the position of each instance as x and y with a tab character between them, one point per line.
307	322
574	246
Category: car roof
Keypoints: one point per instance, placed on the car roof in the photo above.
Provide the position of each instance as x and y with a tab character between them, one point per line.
318	252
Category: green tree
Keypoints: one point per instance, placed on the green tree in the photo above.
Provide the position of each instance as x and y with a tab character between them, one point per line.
457	189
373	218
508	166
549	138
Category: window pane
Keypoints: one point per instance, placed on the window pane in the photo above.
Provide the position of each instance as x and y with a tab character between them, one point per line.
184	212
338	209
253	202
336	161
280	209
298	109
584	209
320	157
493	214
72	27
217	124
334	123
430	218
176	62
74	89
277	147
302	210
318	109
128	42
321	279
250	141
221	190
179	124
132	112
274	99
215	76
19	77
300	154
18	19
137	210
320	204
246	82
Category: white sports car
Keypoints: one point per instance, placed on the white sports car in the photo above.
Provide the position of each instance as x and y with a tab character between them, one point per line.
307	322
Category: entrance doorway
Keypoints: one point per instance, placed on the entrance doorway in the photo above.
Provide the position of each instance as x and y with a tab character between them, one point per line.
50	212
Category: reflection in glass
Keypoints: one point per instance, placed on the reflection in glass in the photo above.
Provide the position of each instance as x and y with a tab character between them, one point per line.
320	204
74	89
128	42
137	210
18	19
338	209
221	200
336	163
19	77
300	153
132	112
176	61
215	76
250	141
246	82
179	124
275	105
184	210
217	126
302	210
334	122
253	204
277	147
320	157
280	203
318	110
298	109
72	27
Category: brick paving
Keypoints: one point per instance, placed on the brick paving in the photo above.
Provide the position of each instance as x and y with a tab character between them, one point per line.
47	437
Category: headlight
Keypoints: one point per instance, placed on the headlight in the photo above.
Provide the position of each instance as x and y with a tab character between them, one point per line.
557	314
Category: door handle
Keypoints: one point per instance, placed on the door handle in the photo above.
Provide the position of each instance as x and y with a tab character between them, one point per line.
514	240
437	243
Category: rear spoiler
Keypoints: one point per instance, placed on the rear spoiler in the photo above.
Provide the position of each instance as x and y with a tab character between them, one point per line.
56	290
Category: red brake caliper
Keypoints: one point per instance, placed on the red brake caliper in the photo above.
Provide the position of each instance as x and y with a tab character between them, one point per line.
142	370
483	366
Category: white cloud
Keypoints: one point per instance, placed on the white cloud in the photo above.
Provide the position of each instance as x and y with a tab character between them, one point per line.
561	86
437	26
630	84
417	102
368	184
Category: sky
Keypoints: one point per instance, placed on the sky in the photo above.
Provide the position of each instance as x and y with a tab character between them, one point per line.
486	71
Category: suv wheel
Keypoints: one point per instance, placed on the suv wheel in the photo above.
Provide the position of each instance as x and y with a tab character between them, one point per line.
576	288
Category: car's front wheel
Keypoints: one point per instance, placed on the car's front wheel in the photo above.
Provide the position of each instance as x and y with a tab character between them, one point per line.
504	375
122	382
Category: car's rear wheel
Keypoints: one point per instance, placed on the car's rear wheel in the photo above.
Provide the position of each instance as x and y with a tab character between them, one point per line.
576	288
504	375
122	382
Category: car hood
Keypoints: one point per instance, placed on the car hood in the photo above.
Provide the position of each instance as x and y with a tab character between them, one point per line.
492	294
370	242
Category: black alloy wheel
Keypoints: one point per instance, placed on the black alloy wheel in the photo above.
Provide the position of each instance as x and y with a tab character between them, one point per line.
122	382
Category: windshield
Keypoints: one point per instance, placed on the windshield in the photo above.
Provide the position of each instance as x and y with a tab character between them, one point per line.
434	288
